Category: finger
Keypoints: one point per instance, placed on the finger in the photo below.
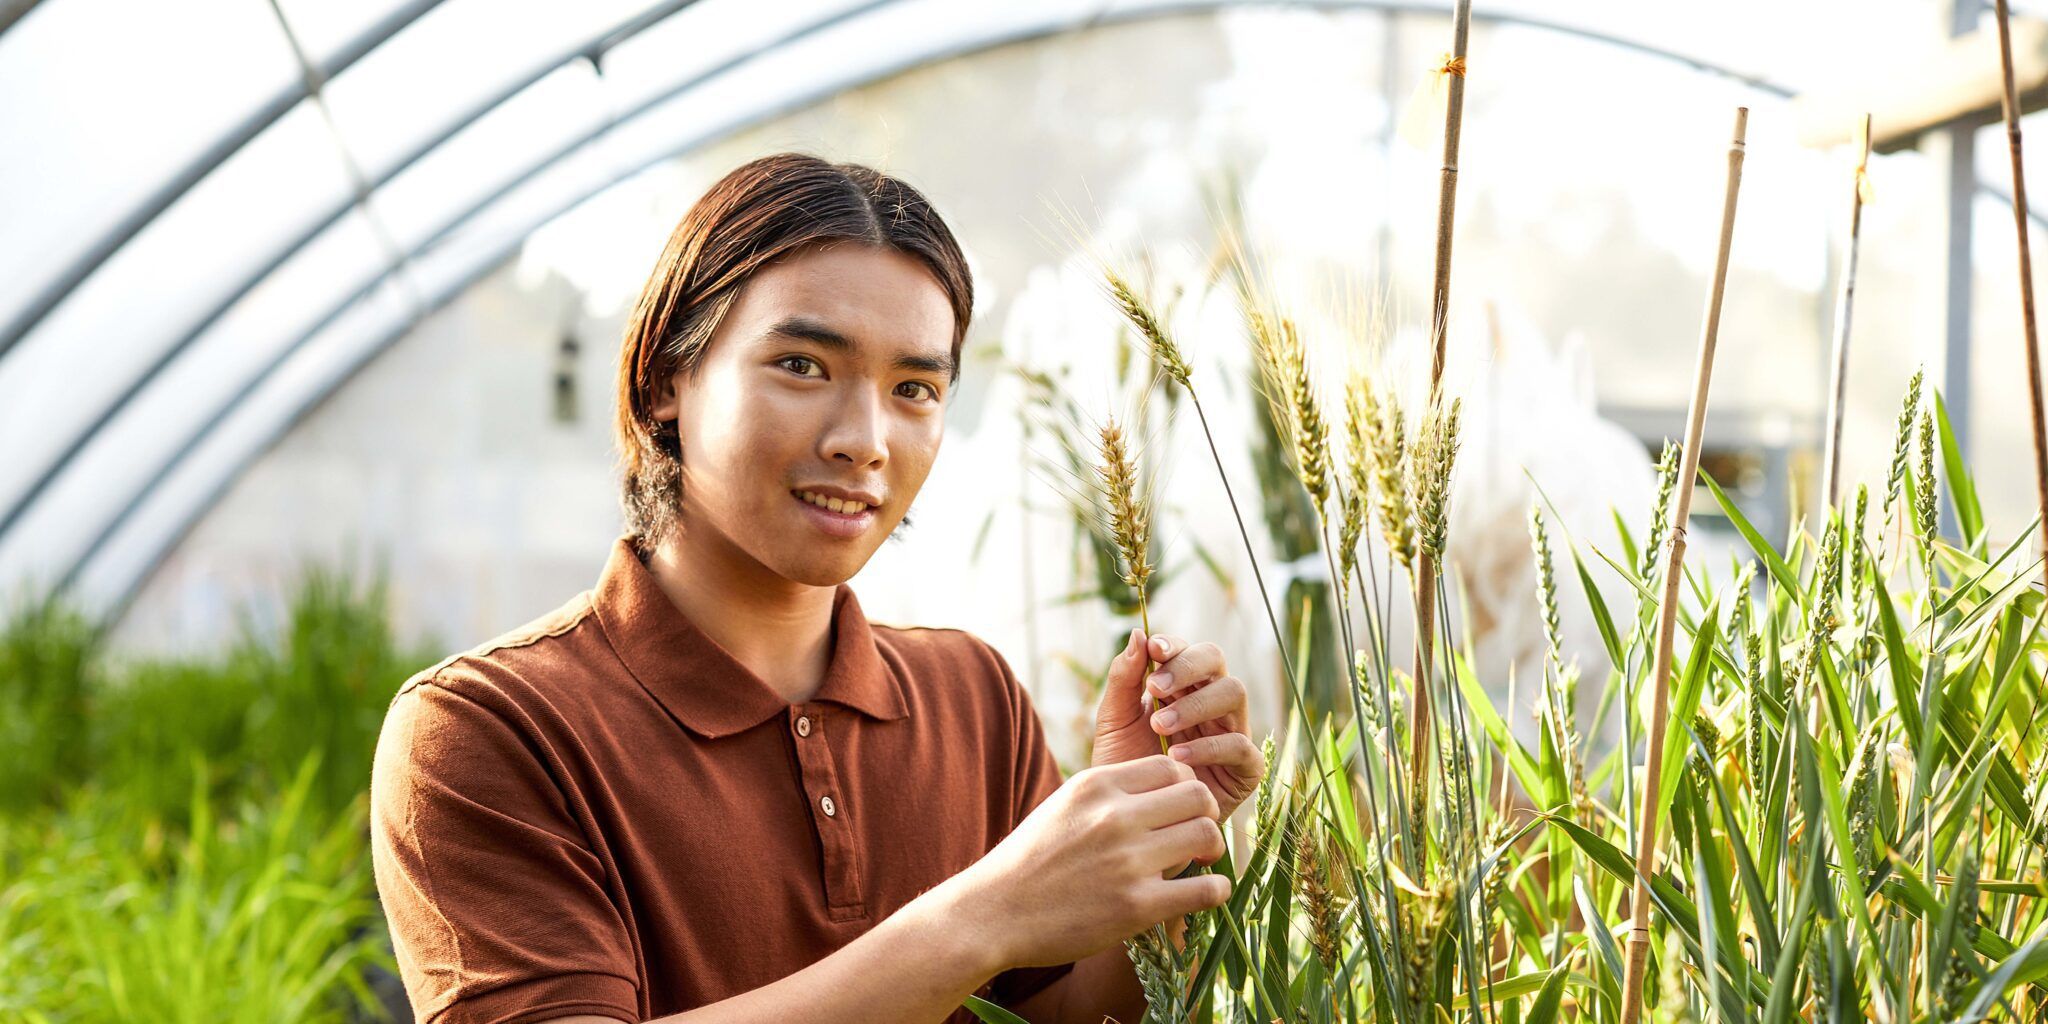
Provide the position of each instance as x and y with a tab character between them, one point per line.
1171	805
1178	843
1168	898
1146	773
1191	665
1163	647
1122	690
1232	750
1220	697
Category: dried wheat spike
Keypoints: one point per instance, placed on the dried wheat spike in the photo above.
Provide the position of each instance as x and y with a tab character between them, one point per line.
1130	517
1165	352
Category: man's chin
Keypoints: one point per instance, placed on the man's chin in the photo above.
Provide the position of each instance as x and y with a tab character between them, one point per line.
819	572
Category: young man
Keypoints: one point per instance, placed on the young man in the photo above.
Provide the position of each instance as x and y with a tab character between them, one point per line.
708	787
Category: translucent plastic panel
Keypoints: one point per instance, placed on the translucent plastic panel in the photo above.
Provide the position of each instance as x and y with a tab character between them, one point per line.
495	233
767	61
147	434
154	291
837	54
117	566
324	27
455	59
1805	46
704	37
308	371
553	114
101	101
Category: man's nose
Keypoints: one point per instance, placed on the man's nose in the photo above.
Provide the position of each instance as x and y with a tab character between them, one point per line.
858	433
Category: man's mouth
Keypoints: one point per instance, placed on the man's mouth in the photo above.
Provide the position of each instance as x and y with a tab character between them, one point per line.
836	517
831	504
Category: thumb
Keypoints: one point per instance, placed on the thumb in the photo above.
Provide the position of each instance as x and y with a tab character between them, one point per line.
1124	690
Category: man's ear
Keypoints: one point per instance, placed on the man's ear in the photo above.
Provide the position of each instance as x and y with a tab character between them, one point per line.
665	406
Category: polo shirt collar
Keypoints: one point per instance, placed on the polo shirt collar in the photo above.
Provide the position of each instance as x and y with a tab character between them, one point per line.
703	685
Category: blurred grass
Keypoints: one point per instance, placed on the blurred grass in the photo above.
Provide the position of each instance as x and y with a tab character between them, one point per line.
186	838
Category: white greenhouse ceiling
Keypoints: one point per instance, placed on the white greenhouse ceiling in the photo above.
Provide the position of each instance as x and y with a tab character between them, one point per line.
214	212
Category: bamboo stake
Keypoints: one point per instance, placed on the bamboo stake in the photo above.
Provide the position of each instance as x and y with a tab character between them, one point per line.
2019	214
1440	306
1667	617
1831	464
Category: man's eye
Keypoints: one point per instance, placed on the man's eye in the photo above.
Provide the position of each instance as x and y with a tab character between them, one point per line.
931	392
804	360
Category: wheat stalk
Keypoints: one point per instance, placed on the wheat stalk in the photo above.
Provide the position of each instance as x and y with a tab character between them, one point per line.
1646	570
1857	525
1428	485
1166	352
1559	689
1660	510
1439	326
1158	341
1447	191
1895	478
1130	525
2031	338
1831	468
1902	442
1312	886
1646	836
1742	628
1925	509
1160	967
1429	478
1389	465
1279	345
1359	412
1821	617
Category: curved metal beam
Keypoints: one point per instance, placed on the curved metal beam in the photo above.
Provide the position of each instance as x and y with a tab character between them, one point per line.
596	47
592	49
194	172
1044	28
12	11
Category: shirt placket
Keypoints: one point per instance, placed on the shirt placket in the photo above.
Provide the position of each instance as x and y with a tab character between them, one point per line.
827	801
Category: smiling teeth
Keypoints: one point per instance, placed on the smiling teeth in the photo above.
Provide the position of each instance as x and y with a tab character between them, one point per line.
834	504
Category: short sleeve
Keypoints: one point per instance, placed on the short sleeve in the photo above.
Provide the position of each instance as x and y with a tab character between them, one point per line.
1036	776
496	901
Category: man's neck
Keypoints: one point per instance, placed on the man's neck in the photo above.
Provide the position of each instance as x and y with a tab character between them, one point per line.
781	631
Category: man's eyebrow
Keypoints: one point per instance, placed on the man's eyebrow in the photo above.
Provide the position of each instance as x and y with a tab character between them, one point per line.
804	328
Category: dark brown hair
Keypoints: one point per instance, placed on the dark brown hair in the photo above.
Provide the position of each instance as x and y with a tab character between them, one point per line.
762	211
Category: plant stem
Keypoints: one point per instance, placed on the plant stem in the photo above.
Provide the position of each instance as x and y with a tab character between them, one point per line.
1447	190
1667	618
1145	625
1440	308
1419	720
1831	463
2019	213
1250	555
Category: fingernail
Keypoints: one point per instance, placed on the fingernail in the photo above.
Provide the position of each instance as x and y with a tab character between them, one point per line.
1165	718
1179	753
1160	681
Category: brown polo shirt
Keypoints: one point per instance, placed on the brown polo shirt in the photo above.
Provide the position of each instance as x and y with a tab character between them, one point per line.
604	812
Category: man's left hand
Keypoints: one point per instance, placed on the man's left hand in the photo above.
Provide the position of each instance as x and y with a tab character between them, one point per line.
1199	708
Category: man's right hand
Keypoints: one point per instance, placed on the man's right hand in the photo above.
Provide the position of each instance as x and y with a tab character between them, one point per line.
1087	868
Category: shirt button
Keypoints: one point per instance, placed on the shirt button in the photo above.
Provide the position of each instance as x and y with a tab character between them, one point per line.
803	725
830	807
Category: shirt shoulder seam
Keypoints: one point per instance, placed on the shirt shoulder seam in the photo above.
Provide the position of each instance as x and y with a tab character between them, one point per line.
512	640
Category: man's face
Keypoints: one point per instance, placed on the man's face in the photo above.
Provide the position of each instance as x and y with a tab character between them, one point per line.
827	379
